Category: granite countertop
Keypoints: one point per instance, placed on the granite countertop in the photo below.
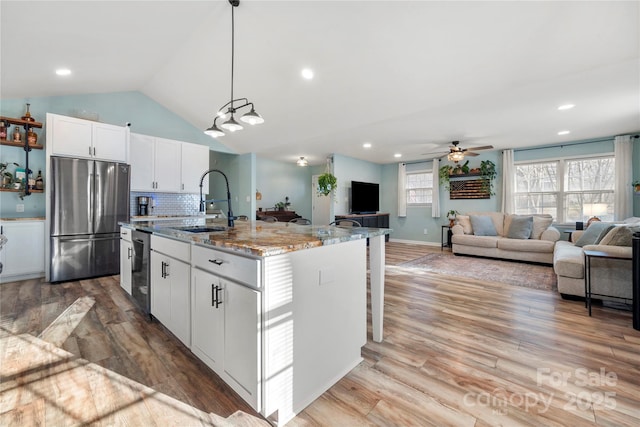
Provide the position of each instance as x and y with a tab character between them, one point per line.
257	238
137	218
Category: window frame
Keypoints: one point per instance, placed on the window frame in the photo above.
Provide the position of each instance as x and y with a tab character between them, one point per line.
561	192
428	172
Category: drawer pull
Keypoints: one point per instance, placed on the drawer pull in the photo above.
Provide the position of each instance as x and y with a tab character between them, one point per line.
216	261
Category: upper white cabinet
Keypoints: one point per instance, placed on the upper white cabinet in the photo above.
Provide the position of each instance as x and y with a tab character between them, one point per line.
166	165
23	255
195	162
69	136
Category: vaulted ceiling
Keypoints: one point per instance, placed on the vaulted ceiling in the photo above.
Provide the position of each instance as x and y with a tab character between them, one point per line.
406	76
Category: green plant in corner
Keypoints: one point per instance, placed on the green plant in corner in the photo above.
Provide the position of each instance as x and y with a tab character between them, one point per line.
488	173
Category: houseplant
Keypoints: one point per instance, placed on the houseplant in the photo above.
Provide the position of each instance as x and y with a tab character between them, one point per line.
444	173
327	182
451	215
636	186
488	173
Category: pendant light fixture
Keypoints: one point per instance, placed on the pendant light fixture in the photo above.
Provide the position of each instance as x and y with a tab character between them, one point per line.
302	161
228	110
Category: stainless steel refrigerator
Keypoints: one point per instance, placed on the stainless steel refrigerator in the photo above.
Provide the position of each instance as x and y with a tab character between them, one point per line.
88	199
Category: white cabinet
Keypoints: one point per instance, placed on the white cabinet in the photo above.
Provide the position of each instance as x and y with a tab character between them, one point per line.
166	165
69	136
126	254
226	322
155	164
22	256
171	286
195	162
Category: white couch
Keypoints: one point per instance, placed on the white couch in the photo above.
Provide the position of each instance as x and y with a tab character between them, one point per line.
537	249
608	276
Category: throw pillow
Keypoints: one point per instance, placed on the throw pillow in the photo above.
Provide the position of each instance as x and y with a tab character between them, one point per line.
540	224
520	227
465	222
482	225
594	233
619	236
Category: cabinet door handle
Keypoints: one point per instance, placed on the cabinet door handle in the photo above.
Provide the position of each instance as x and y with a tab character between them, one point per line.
182	187
89	150
94	151
165	270
216	261
129	253
218	289
213	295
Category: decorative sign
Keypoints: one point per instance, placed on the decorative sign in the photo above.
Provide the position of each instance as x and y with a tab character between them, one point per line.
469	189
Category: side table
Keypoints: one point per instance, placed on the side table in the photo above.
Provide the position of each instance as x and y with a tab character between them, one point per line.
445	243
587	274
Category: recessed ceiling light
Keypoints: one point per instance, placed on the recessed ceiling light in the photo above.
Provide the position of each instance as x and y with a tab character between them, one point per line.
63	71
367	145
564	132
566	107
307	73
397	155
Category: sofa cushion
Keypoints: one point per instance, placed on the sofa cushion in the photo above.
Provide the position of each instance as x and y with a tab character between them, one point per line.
478	241
619	236
483	225
540	224
528	245
568	260
465	222
520	227
496	217
594	233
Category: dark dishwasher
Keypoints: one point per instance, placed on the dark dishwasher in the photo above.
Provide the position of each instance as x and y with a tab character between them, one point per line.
141	270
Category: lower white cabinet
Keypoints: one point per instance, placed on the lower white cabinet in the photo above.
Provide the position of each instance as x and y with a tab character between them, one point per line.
226	332
171	289
126	254
23	255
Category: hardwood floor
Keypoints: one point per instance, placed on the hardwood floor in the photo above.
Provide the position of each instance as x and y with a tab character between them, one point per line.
457	351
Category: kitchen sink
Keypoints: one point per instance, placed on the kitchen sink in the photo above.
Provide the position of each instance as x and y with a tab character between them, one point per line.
202	229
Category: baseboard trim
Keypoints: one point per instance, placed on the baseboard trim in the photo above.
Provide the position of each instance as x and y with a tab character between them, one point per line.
414	242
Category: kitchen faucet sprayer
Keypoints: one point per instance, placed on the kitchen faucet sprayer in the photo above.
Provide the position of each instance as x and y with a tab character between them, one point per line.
203	202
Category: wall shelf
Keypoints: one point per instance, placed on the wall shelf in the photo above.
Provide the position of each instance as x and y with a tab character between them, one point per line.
464	175
24	144
11	190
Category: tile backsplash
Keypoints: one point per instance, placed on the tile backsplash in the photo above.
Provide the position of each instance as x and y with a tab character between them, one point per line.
166	203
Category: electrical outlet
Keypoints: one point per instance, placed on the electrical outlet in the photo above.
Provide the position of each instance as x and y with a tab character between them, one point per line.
426	231
20	207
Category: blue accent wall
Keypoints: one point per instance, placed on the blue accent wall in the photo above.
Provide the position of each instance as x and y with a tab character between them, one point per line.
347	169
276	180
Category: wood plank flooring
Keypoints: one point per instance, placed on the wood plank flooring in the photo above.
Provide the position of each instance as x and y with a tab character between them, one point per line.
456	351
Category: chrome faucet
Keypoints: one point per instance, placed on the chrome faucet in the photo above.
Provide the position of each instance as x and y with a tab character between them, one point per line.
203	202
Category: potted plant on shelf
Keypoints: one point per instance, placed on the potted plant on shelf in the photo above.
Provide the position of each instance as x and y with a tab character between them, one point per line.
636	186
280	206
488	173
444	173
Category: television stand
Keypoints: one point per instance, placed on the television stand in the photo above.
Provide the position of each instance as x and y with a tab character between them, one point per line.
376	220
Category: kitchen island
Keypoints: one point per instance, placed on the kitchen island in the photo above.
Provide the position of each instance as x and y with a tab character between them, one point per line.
278	310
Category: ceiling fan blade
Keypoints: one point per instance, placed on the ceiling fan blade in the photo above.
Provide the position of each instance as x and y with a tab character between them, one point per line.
438	154
471	153
485	147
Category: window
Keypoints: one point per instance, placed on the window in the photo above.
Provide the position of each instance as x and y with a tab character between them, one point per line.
568	189
419	188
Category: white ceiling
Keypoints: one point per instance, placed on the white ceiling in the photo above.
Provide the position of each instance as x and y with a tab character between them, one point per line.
407	76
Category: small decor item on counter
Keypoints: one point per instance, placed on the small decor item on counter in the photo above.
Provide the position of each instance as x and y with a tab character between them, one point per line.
4	129
27	116
32	137
31	181
17	135
39	181
20	178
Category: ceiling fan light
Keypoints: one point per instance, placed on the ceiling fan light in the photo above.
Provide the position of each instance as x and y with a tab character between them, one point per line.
231	125
302	161
456	156
214	131
252	118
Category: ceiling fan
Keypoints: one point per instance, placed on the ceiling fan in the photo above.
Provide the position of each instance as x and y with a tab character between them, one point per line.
457	153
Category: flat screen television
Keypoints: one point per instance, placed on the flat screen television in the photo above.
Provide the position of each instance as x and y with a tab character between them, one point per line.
365	197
